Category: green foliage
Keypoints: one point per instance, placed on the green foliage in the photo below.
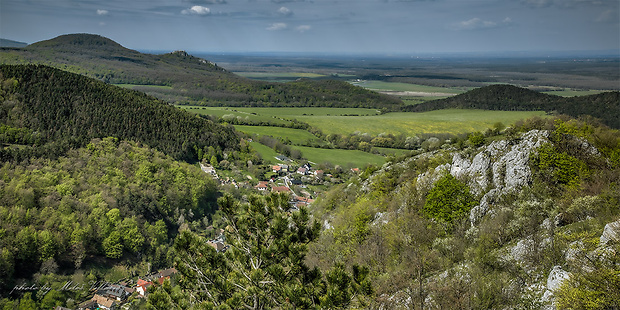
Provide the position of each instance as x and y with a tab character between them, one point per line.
449	200
559	167
96	203
264	267
599	289
476	139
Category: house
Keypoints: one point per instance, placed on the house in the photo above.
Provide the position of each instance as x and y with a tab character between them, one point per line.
280	189
282	158
114	291
302	170
88	305
142	286
262	185
296	182
318	173
284	167
276	169
163	275
355	170
208	169
105	302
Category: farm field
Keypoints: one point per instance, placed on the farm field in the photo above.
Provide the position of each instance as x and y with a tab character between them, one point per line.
453	121
344	158
406	87
573	93
235	112
278	76
334	121
296	136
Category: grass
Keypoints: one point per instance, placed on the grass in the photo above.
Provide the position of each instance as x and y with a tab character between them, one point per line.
333	121
574	93
452	121
267	153
345	158
236	112
296	136
395	86
390	151
279	75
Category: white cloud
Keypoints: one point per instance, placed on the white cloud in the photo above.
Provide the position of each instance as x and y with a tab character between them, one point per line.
303	28
277	26
102	12
477	23
197	10
285	11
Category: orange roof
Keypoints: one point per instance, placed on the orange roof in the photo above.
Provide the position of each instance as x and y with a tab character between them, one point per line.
280	189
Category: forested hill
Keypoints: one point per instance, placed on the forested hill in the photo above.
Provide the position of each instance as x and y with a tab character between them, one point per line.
46	111
186	78
605	106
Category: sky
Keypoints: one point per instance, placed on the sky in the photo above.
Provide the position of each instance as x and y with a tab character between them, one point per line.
324	26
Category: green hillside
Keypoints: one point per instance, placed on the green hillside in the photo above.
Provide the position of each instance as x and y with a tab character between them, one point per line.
192	79
46	111
604	106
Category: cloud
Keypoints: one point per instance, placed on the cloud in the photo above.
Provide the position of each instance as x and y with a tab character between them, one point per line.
197	10
102	12
303	28
285	1
277	27
477	24
284	11
567	3
206	1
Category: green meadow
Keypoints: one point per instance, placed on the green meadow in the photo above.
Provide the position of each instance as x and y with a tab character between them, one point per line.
296	136
454	121
345	158
574	93
278	75
341	121
267	153
395	86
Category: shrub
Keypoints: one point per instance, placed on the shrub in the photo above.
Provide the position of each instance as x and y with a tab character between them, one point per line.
448	200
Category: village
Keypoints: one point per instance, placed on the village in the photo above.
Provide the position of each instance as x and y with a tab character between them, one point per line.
298	180
285	177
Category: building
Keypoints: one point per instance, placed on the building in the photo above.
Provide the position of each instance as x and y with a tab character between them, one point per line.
280	189
142	286
262	185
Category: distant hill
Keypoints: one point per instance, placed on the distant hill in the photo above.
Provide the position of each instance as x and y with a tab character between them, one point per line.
186	78
604	106
11	43
54	110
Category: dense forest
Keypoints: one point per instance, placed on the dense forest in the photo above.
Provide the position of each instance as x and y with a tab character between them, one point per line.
186	78
604	106
48	111
111	199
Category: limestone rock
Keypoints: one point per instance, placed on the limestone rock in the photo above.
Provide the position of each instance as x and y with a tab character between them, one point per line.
611	233
556	277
